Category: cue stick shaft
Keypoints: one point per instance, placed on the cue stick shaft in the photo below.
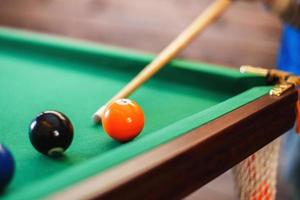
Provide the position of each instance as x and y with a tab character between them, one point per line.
167	54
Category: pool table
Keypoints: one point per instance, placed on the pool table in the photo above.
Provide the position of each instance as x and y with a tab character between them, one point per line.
201	120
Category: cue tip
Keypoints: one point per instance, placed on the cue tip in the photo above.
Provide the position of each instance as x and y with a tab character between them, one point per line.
96	118
98	114
245	68
254	70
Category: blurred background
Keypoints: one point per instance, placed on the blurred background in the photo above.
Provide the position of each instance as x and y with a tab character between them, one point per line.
246	34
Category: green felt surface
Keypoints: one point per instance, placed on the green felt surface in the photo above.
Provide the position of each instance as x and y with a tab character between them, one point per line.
39	73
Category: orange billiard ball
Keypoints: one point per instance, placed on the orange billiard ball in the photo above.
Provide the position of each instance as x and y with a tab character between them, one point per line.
123	120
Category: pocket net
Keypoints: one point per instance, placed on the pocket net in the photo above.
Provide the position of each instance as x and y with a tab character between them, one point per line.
255	177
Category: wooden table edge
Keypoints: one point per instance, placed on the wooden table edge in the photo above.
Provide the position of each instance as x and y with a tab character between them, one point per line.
177	168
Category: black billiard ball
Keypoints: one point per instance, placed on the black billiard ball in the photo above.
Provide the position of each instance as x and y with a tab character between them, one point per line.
51	133
7	167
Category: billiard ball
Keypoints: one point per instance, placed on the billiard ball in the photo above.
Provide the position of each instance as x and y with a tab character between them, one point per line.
123	120
51	133
7	167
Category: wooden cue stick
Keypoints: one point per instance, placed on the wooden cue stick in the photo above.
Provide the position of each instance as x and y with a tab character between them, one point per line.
185	38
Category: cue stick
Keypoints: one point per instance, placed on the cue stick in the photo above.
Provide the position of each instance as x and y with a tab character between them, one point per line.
186	37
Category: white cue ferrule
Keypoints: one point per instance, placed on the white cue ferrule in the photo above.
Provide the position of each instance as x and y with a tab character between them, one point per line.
98	114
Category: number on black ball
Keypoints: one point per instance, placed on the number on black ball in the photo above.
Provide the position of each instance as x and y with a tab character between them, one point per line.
51	133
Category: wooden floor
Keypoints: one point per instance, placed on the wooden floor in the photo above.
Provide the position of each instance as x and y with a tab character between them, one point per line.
244	35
